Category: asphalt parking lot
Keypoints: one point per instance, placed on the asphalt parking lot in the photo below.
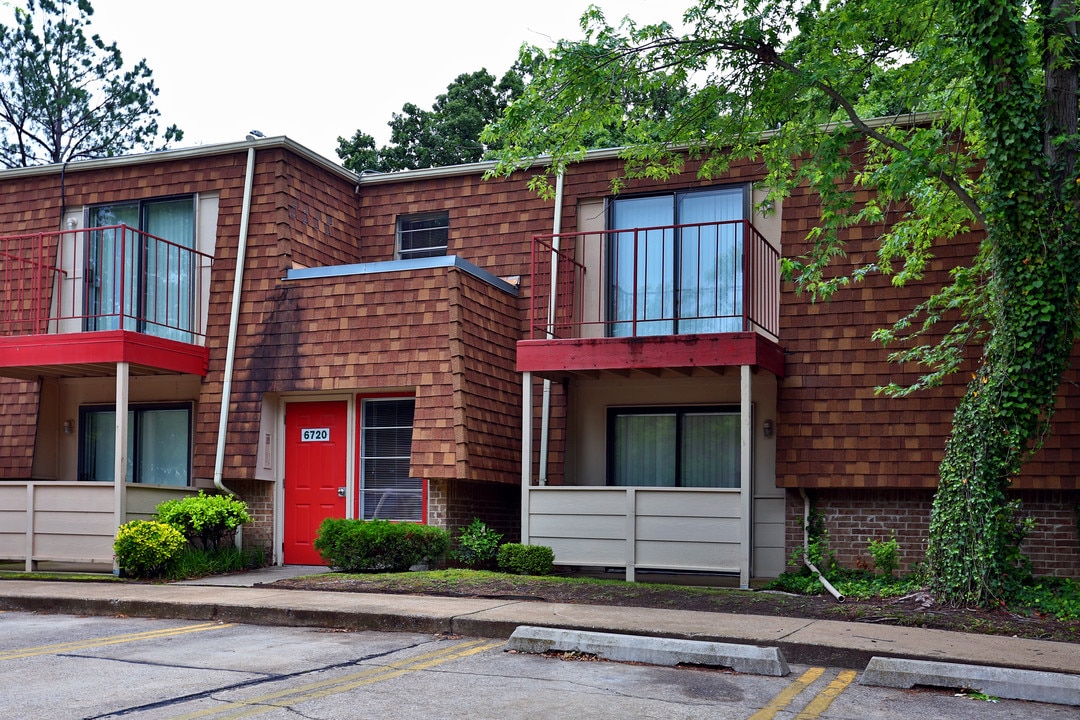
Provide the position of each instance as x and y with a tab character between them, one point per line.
62	666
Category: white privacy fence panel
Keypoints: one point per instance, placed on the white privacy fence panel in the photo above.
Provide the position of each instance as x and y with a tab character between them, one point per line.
638	528
69	522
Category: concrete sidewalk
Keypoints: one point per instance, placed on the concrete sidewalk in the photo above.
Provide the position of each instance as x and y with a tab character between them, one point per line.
238	598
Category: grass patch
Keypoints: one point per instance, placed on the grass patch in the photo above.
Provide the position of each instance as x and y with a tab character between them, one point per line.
195	562
853	584
66	576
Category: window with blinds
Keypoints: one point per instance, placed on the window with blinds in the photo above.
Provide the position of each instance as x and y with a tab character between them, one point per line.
386	490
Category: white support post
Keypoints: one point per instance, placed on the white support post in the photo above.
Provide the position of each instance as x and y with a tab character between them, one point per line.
526	452
30	564
631	534
121	449
746	475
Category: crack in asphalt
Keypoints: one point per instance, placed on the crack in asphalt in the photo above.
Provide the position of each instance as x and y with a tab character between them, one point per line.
266	678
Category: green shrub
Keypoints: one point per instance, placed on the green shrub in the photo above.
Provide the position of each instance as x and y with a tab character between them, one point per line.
145	548
207	521
477	545
379	545
1059	597
886	554
526	559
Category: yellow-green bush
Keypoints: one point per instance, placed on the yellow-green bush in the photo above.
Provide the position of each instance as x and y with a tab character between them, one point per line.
144	548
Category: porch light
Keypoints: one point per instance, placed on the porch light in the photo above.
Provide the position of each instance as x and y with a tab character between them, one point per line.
69	427
767	428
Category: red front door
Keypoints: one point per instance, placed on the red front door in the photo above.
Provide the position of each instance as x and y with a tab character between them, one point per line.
315	464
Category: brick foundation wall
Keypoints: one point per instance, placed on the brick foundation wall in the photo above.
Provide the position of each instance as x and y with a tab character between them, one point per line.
259	496
452	504
852	516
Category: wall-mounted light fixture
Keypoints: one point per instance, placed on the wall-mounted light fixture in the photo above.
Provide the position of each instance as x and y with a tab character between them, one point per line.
72	223
767	427
69	427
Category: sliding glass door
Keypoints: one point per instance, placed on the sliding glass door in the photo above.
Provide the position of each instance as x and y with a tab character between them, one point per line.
138	281
667	280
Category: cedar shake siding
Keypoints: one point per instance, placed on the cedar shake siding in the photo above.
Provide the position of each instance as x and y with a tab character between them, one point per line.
487	390
833	430
438	331
17	432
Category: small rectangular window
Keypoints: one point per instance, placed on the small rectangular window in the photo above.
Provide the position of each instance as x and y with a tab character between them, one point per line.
422	236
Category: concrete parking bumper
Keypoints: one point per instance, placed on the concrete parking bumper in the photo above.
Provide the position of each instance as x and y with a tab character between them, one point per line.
1009	683
651	650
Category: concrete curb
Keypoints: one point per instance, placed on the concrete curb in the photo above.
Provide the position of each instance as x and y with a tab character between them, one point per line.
260	615
651	650
1009	683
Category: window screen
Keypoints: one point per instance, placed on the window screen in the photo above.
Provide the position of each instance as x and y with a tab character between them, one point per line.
421	236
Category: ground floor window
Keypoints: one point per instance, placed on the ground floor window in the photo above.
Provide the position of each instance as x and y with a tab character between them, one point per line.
674	447
159	444
386	490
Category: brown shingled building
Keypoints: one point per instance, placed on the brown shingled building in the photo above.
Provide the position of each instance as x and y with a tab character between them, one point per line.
390	333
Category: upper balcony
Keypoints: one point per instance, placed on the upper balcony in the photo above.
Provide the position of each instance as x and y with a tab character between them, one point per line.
677	297
73	303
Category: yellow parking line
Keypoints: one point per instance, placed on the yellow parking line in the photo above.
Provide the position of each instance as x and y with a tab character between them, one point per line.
313	691
824	699
785	696
111	640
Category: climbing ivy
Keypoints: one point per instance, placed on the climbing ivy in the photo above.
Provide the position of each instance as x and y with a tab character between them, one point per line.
974	105
1033	240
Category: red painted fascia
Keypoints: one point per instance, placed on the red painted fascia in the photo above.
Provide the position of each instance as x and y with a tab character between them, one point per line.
106	346
650	353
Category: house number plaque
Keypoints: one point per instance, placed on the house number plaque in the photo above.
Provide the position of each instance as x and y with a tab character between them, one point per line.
314	434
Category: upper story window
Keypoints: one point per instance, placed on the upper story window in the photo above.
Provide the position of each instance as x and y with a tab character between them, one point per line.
678	268
143	280
421	236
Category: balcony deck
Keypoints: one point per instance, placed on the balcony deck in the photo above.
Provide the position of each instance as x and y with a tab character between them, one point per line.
676	355
74	303
676	300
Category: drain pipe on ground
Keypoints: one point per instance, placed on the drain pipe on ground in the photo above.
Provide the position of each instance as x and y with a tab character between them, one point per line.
234	322
806	547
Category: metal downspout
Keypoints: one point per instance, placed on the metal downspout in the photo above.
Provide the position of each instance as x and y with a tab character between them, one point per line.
806	546
234	321
545	413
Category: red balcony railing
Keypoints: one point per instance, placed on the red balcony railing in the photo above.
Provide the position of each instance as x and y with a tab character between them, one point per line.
104	278
672	280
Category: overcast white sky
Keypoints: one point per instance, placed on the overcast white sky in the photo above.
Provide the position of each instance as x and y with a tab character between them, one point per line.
317	69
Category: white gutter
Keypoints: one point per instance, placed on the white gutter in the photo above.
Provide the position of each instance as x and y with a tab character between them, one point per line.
234	322
545	413
806	546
